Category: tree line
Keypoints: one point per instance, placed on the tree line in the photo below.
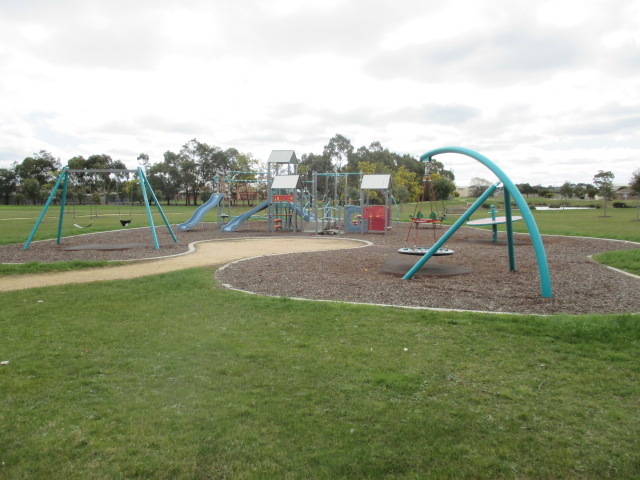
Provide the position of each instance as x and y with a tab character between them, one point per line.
190	173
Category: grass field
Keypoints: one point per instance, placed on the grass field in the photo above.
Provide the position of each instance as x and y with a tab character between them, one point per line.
18	221
169	377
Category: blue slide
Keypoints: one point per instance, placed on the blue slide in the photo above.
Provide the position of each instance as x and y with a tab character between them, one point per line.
214	201
306	214
235	223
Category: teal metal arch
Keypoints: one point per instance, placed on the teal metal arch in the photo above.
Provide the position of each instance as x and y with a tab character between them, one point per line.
510	191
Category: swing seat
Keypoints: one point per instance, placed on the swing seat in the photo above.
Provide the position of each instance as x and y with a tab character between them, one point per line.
124	223
426	220
80	226
422	250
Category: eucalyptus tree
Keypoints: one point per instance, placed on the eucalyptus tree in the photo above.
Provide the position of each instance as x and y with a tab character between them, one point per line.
41	166
30	188
165	176
339	149
567	190
603	181
8	184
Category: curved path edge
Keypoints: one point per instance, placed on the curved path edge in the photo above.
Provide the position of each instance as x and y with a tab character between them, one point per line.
200	254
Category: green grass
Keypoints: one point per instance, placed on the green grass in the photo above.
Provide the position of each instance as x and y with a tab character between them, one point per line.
619	224
169	377
17	222
37	267
627	260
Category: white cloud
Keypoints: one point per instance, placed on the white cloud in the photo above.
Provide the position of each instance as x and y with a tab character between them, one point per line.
545	89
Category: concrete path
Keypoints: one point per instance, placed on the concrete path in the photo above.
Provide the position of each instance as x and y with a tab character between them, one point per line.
204	254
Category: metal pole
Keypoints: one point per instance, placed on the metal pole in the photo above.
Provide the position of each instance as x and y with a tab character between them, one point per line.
143	177
63	202
494	226
146	204
463	218
507	212
44	209
269	198
314	198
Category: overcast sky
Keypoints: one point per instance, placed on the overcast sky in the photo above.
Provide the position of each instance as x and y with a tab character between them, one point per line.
548	90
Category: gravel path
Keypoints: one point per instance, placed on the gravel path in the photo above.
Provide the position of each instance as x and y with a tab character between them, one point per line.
580	285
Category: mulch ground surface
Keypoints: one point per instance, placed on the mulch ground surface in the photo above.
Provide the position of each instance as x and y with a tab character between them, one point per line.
475	277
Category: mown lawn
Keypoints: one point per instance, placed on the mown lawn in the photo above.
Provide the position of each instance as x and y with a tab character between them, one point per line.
169	377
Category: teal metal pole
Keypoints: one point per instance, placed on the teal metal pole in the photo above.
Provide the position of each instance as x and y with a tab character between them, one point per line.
142	181
536	239
155	199
507	212
494	227
63	202
463	218
44	209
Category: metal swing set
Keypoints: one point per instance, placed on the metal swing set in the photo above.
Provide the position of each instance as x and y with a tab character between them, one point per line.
63	182
93	207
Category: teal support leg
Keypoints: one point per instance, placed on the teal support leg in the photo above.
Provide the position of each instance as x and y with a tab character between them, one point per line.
63	202
494	227
44	209
155	199
507	212
463	218
143	184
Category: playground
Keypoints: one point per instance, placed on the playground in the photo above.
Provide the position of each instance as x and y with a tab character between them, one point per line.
477	277
170	373
482	276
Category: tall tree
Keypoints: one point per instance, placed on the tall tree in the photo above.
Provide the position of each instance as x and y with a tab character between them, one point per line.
526	189
165	176
375	154
30	188
41	166
567	189
604	183
190	171
143	158
339	149
8	184
406	186
443	187
410	163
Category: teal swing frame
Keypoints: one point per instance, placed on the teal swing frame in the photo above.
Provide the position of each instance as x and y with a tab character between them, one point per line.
63	182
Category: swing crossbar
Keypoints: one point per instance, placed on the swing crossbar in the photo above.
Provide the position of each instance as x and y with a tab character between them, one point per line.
103	170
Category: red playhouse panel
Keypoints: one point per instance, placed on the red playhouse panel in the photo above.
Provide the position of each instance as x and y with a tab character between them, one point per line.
376	217
283	198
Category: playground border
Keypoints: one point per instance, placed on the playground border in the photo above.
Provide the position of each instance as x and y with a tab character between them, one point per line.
248	288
